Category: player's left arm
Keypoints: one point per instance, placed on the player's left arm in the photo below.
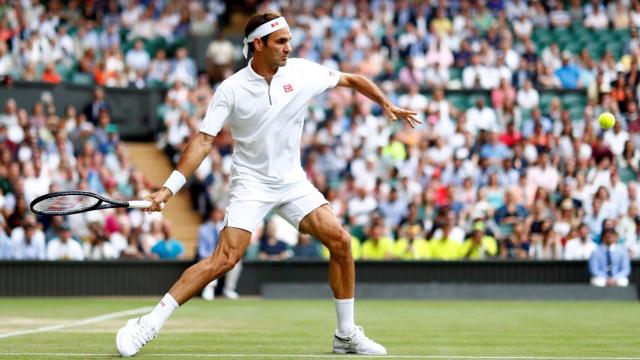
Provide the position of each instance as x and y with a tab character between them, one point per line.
367	88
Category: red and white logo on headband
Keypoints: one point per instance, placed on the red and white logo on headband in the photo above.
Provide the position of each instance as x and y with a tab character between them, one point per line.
263	30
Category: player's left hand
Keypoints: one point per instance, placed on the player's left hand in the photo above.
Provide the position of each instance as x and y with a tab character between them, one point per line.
393	113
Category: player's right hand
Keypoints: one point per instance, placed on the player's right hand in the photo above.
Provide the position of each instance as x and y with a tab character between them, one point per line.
158	199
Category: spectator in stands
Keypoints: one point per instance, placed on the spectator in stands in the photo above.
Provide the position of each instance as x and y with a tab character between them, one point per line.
6	244
97	246
208	234
475	76
28	241
159	67
516	245
168	248
202	23
568	74
546	245
361	206
493	149
409	75
393	209
138	58
596	19
528	96
480	245
306	248
92	109
502	94
511	213
183	68
411	244
445	247
580	247
438	60
271	248
481	117
64	247
377	246
523	27
220	55
559	17
609	263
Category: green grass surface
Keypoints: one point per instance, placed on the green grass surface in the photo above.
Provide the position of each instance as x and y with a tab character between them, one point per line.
265	329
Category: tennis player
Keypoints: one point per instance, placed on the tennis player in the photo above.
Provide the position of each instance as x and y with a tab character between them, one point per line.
265	103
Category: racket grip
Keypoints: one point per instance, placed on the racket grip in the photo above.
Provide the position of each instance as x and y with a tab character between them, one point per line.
142	204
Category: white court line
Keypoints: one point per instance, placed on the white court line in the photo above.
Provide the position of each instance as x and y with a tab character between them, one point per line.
461	357
87	321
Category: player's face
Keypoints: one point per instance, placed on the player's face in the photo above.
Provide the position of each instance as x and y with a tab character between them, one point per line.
278	48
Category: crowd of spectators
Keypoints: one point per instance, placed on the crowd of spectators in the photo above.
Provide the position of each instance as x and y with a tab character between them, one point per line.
40	153
504	178
109	43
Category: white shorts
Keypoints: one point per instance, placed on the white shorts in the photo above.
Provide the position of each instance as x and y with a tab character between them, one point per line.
249	202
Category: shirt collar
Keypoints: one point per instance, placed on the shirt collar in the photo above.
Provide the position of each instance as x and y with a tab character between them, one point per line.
255	76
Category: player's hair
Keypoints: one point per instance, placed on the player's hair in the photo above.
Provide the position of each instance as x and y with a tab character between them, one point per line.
257	19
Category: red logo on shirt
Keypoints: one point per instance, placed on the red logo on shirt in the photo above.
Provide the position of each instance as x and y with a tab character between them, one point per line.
288	88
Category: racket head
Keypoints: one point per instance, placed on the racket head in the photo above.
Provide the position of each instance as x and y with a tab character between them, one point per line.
71	202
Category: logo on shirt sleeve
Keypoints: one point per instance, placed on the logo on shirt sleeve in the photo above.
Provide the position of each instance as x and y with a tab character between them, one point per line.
288	88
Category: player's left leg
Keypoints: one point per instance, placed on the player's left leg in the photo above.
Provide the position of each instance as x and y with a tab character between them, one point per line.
322	224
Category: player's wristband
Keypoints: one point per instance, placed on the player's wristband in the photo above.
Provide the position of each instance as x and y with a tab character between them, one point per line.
175	181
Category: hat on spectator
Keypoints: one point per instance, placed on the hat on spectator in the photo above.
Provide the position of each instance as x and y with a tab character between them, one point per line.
478	226
462	153
566	55
567	204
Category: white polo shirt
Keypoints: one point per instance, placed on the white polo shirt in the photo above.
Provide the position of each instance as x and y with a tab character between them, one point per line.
267	120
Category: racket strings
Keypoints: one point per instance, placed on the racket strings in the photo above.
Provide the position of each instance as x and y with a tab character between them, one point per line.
66	203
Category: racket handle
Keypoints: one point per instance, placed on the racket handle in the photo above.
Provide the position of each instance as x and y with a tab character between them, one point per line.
142	204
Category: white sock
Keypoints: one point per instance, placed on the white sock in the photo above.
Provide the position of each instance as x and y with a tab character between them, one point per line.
162	311
344	312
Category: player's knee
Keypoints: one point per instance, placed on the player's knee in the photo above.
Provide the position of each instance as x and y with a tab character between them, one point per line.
230	259
341	244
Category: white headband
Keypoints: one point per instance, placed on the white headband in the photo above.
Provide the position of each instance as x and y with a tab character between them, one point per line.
263	30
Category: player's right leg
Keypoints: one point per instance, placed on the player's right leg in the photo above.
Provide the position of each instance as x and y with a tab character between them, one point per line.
249	202
138	332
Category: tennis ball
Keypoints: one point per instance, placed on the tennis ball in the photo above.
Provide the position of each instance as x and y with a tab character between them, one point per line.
606	120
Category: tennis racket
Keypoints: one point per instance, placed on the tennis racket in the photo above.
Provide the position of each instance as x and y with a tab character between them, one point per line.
77	201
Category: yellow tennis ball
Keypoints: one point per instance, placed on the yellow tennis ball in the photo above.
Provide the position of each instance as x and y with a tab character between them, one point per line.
606	120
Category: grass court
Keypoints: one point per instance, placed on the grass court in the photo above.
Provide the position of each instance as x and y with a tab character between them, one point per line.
85	328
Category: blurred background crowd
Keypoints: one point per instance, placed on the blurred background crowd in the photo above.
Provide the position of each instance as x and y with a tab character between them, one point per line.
508	163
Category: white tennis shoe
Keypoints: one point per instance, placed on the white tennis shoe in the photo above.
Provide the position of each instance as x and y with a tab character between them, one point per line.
133	336
357	343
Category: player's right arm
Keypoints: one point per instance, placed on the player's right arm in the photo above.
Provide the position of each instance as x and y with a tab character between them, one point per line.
194	153
197	149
